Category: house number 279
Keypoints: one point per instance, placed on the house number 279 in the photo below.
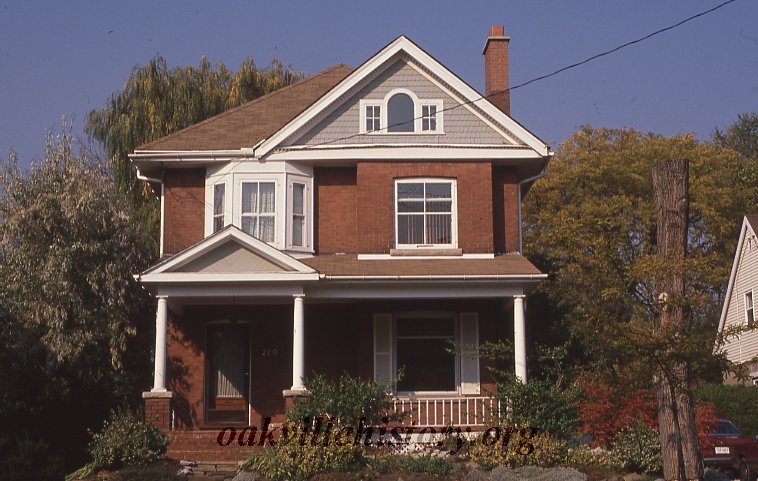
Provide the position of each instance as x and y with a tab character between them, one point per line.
269	352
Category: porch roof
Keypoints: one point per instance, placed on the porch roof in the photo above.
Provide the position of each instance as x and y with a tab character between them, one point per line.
351	266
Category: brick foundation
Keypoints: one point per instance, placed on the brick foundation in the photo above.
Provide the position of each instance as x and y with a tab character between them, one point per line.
158	409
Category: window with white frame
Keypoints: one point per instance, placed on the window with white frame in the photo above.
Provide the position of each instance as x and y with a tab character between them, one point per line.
373	117
423	354
219	196
298	215
425	213
429	118
401	111
258	214
749	309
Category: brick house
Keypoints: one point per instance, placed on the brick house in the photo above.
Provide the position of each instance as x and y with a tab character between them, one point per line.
357	221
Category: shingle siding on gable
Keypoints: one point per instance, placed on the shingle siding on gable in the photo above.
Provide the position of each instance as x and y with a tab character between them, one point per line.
740	350
460	125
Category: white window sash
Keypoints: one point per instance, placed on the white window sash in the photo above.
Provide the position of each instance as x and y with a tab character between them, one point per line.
426	215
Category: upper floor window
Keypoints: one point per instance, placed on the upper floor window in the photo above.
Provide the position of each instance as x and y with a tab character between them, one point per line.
219	194
298	214
749	309
401	111
425	213
259	210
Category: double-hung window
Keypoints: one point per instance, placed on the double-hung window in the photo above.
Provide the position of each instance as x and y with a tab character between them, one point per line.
749	309
425	213
258	215
219	194
298	215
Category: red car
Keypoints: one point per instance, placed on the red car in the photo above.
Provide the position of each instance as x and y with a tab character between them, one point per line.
731	451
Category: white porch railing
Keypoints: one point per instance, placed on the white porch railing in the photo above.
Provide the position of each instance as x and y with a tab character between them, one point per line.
442	411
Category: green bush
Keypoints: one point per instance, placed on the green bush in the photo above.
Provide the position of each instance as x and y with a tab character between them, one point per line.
582	455
126	440
732	402
297	456
515	446
27	456
637	448
534	473
541	403
437	466
346	400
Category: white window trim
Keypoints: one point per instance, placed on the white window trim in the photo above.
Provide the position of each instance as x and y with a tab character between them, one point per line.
226	214
279	199
454	316
417	124
751	293
307	212
453	212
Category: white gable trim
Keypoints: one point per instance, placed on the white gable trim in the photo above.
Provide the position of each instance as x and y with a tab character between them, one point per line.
402	44
733	276
221	237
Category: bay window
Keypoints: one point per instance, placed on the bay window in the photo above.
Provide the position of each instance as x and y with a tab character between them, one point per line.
219	199
259	210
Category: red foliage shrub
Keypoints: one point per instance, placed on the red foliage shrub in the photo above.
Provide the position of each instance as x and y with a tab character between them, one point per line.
705	420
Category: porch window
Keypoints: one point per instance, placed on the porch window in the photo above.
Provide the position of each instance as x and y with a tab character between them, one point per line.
259	210
422	347
227	372
425	213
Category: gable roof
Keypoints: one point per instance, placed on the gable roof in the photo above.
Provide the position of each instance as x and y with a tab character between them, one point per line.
254	121
749	224
469	97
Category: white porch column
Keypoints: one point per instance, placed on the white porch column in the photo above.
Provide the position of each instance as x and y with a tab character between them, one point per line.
298	345
161	321
519	337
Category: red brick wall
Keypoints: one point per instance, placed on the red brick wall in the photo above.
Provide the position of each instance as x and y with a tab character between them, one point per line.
335	213
375	182
505	203
158	412
184	208
185	366
496	69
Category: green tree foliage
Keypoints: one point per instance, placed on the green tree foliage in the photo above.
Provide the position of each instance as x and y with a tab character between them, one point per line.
742	137
591	224
157	100
69	307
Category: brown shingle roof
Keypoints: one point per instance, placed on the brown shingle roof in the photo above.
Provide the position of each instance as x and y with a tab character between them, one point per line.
350	265
253	121
752	220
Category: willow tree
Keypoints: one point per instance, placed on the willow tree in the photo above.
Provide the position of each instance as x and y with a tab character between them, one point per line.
157	100
591	223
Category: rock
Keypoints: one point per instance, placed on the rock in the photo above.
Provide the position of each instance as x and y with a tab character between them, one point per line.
184	462
245	476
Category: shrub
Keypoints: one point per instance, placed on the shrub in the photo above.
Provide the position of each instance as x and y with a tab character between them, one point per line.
731	402
584	456
436	466
126	440
29	456
347	400
604	411
512	446
637	448
298	456
534	473
541	403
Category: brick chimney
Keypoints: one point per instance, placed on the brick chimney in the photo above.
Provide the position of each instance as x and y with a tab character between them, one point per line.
496	69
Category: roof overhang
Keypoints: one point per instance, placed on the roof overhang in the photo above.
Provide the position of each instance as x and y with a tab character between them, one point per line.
744	231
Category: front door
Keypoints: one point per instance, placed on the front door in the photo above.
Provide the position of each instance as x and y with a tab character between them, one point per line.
227	372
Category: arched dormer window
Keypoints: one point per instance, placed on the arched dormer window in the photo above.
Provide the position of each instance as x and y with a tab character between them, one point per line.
400	113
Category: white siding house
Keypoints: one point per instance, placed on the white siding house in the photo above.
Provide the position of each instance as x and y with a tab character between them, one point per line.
741	303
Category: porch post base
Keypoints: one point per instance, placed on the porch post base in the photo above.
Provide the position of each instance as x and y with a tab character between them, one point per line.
158	409
290	395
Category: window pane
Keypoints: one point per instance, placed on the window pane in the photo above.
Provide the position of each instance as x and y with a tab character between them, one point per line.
436	190
266	229
249	225
426	364
749	299
400	113
425	124
438	229
249	197
432	124
267	201
407	190
297	198
218	223
218	198
426	327
297	231
439	206
410	229
410	206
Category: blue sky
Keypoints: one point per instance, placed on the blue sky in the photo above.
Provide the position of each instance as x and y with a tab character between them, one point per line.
65	58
